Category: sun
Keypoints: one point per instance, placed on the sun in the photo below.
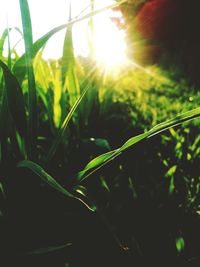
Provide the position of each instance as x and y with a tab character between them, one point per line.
106	38
109	42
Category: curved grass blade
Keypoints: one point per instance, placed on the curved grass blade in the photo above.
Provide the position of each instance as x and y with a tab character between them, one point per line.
32	98
4	36
15	100
48	250
47	178
98	161
2	41
103	159
179	119
63	127
19	67
9	60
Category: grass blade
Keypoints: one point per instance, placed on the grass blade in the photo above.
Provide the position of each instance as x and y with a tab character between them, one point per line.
32	99
69	75
70	83
15	100
42	251
2	41
103	159
64	125
2	190
38	170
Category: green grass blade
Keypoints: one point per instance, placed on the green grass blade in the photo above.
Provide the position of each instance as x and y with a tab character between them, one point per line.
103	159
2	41
4	36
70	81
69	75
68	50
32	99
2	190
64	125
15	100
180	244
97	163
19	67
189	115
38	170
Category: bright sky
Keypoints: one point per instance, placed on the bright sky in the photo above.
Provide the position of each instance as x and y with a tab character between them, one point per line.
47	14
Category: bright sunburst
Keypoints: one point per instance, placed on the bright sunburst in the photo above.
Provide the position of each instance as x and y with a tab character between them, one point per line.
108	41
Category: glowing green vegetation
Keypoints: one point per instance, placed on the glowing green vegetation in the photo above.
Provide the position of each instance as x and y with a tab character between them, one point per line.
91	163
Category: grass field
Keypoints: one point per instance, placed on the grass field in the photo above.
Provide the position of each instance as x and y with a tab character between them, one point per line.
93	171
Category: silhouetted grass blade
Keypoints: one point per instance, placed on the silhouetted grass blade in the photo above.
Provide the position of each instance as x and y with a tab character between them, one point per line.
47	178
15	100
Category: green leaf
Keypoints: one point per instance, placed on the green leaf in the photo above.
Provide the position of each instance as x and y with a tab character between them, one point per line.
68	49
132	187
4	36
2	190
180	244
96	163
171	171
104	184
32	99
64	125
2	41
38	170
19	67
69	74
102	143
15	100
103	159
171	185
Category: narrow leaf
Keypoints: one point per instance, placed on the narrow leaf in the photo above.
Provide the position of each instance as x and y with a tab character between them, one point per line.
103	159
38	170
15	100
32	100
2	190
63	127
48	249
47	178
69	76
